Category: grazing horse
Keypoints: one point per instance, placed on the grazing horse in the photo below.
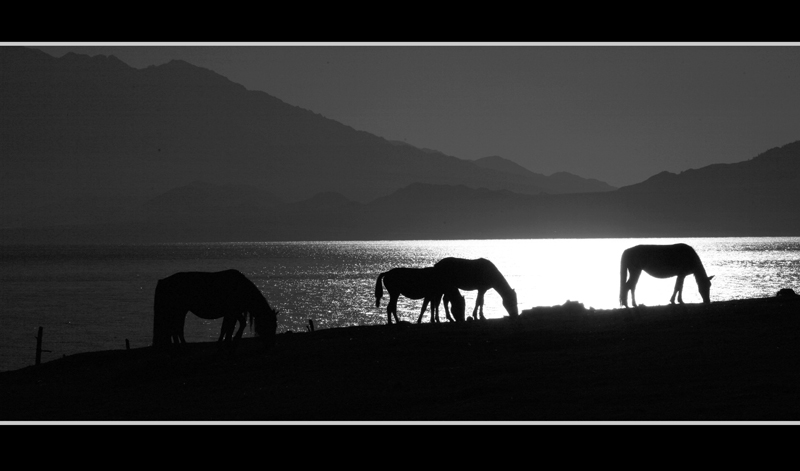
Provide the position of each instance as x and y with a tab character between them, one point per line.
481	275
210	295
418	283
662	261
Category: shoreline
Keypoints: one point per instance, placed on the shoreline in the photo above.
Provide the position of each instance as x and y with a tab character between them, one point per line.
723	361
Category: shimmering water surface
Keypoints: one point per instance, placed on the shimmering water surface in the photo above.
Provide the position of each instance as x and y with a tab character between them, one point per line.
91	298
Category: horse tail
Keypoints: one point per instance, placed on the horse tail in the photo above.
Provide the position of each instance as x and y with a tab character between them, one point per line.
379	290
623	277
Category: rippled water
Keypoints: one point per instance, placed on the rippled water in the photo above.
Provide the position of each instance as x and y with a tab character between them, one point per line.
91	298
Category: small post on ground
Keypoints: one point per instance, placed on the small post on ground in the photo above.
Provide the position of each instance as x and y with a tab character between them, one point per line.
39	346
127	345
311	325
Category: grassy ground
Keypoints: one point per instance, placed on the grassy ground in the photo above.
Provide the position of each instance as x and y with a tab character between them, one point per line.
725	361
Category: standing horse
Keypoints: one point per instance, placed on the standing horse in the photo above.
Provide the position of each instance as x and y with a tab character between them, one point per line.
418	283
481	275
210	295
662	261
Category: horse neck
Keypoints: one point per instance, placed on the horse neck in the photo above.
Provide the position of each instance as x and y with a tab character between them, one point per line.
700	271
502	287
256	303
261	312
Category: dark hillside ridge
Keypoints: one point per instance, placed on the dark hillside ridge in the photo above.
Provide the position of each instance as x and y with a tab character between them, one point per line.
557	183
719	208
775	170
95	151
723	361
80	128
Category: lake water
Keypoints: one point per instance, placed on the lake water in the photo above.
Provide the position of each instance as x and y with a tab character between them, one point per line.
90	298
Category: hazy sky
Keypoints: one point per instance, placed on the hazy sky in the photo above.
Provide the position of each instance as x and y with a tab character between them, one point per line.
616	112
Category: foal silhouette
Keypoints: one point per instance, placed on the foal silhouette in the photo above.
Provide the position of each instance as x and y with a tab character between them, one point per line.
481	275
210	295
419	283
662	261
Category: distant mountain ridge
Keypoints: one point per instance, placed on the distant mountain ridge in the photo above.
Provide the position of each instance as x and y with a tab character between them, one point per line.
559	182
80	128
719	208
203	200
115	155
776	169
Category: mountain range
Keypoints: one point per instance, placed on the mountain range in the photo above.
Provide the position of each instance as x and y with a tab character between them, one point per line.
78	129
94	150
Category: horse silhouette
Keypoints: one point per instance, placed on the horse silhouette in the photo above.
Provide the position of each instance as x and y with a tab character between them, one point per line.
481	275
662	261
418	283
210	295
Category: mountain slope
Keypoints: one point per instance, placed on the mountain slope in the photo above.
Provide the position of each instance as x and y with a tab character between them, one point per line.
96	151
758	197
80	128
776	170
559	182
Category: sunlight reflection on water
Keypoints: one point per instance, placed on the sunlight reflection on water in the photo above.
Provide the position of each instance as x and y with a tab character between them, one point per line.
333	283
94	297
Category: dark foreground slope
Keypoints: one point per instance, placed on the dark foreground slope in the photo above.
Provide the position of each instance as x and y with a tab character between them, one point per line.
733	360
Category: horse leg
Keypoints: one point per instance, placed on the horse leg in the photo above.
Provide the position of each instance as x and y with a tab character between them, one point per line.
479	302
422	312
631	286
475	309
445	300
177	327
435	309
391	308
242	323
223	330
678	290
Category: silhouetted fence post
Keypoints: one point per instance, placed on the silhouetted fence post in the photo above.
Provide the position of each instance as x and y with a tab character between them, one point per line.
311	325
39	346
127	345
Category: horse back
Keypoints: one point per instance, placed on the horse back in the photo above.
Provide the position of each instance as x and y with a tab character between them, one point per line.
416	283
206	293
662	260
469	274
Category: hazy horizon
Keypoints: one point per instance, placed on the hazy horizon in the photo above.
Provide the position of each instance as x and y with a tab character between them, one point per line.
616	113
